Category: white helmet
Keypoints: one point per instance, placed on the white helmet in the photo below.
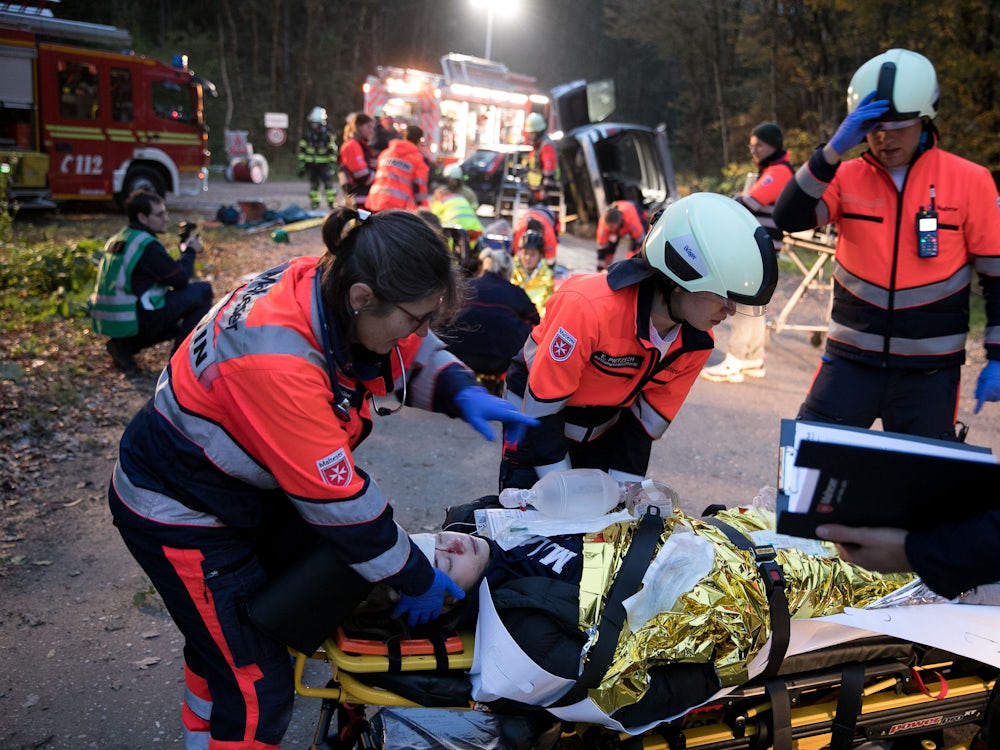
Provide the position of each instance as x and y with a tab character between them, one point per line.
707	242
534	123
318	114
906	79
452	172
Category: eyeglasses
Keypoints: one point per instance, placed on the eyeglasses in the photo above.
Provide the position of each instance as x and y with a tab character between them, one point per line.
894	125
418	322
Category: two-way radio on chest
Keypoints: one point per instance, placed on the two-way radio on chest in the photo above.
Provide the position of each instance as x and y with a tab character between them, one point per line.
341	403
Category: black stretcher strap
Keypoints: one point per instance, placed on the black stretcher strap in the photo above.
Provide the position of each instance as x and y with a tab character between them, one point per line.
774	587
781	713
626	583
845	720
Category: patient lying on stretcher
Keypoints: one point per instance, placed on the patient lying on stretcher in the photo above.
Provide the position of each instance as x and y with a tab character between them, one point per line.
701	615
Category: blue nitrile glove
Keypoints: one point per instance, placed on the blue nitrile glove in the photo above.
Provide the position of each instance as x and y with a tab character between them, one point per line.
478	407
428	605
988	385
857	125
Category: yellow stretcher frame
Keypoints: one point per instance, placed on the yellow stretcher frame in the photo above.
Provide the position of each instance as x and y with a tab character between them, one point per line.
934	701
815	277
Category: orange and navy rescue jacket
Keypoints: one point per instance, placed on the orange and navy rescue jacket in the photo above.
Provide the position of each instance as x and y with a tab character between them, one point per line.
243	416
891	307
591	359
774	173
632	227
357	165
400	178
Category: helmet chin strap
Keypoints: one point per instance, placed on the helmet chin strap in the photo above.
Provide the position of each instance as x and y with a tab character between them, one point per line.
667	290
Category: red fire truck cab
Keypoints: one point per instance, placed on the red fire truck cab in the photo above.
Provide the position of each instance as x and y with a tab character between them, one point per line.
84	123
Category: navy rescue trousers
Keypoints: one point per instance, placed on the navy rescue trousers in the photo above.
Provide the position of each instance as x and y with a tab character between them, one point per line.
238	681
910	401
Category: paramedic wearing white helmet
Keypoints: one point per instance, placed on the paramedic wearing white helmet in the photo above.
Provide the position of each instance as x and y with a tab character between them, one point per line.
616	354
913	223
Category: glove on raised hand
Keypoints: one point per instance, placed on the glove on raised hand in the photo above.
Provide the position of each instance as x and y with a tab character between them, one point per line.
427	606
858	124
478	407
988	385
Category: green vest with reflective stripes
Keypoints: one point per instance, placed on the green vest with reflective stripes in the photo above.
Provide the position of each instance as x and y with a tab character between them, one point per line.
113	305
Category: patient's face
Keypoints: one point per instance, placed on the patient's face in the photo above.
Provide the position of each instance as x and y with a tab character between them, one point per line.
462	556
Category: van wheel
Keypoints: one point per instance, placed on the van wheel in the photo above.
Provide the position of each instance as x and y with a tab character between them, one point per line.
143	178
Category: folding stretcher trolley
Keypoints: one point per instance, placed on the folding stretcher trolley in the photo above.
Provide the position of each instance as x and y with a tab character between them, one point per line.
874	689
812	254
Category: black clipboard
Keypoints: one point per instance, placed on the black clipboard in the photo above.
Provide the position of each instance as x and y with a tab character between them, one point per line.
860	485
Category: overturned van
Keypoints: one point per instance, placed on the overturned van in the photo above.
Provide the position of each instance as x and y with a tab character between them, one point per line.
601	162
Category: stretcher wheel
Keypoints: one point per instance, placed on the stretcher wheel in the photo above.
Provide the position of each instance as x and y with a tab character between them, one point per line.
816	339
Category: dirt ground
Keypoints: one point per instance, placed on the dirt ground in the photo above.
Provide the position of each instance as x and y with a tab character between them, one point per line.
88	657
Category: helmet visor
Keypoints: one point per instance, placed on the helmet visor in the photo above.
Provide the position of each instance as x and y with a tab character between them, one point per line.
751	311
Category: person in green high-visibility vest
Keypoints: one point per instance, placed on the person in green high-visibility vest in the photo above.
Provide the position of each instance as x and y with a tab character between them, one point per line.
143	295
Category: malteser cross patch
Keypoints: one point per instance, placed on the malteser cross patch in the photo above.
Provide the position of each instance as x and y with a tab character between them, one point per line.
562	345
336	469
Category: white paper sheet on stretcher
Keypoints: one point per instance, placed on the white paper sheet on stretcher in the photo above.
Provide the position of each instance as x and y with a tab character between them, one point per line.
971	630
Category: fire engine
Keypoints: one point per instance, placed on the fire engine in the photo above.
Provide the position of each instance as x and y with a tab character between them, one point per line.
81	122
473	102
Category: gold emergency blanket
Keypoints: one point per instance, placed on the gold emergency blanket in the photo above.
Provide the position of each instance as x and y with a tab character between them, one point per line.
724	619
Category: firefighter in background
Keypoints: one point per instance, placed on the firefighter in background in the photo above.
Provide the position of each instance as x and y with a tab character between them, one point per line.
543	165
317	156
543	220
385	131
622	219
357	160
401	175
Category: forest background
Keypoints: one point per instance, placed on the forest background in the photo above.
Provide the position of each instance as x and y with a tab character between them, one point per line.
710	70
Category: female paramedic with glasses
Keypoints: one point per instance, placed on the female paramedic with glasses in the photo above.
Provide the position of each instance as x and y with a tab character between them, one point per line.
254	422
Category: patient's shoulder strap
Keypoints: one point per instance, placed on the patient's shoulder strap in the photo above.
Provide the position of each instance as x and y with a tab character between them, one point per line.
774	587
626	583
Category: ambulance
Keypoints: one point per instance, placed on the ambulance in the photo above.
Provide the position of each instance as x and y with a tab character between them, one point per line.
84	118
473	102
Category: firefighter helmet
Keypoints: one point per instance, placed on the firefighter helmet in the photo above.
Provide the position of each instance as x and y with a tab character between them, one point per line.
534	123
707	242
318	114
906	79
452	172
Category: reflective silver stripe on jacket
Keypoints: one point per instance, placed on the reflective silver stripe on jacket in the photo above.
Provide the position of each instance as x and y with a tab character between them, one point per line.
905	347
389	562
158	507
903	299
814	188
654	423
586	433
366	506
432	357
224	452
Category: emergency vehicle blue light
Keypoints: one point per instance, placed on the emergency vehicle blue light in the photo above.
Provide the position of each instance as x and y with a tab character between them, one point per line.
180	61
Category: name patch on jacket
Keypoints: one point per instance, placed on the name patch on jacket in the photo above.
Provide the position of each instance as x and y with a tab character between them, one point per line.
562	345
627	362
336	469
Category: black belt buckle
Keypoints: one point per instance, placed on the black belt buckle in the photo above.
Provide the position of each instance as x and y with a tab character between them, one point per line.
770	571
